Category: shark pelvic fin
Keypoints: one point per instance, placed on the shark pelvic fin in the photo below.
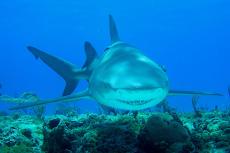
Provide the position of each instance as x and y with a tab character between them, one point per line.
178	93
113	30
65	69
91	55
69	98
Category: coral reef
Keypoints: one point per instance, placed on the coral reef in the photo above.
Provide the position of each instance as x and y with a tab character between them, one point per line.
67	110
143	132
212	131
162	135
26	97
91	133
20	134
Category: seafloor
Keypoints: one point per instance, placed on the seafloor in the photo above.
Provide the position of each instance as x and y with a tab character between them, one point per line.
144	132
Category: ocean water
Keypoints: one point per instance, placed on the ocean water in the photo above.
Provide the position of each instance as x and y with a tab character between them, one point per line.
190	38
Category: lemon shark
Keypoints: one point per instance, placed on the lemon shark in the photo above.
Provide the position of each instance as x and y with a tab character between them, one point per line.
123	77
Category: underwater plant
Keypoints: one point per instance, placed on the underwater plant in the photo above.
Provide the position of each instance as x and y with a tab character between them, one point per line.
67	110
194	105
19	148
26	97
23	98
170	111
108	110
39	111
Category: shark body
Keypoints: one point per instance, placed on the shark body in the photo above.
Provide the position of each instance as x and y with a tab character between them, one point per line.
121	78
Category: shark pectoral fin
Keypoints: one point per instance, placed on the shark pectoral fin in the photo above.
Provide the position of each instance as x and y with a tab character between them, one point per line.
113	30
70	87
178	92
70	98
65	69
91	55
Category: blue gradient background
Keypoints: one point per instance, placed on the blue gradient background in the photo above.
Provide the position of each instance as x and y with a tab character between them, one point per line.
191	38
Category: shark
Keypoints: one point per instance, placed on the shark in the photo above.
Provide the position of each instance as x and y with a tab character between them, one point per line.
122	77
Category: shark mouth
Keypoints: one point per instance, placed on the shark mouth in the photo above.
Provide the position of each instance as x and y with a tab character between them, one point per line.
138	97
136	102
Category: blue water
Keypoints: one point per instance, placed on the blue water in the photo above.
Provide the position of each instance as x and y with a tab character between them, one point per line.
190	38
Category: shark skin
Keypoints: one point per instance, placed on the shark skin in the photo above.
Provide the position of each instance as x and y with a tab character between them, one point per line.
122	77
127	79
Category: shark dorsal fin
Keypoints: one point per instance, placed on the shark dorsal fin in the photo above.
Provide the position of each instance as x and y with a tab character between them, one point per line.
91	54
113	30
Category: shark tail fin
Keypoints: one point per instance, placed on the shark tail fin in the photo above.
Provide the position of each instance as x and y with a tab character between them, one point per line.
179	92
91	56
66	70
113	30
69	98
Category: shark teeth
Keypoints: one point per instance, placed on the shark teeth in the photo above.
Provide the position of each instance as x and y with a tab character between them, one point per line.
138	97
135	102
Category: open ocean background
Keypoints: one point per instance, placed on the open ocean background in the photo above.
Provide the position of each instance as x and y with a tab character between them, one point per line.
190	38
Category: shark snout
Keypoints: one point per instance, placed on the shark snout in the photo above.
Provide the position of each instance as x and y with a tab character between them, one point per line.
152	79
